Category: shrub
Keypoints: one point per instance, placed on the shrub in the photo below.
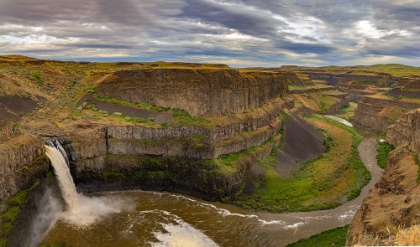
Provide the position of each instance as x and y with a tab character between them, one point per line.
37	76
383	151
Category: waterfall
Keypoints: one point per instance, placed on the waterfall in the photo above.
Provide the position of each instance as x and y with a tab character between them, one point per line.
56	144
81	210
62	172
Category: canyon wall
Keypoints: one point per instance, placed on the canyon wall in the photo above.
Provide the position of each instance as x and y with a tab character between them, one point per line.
22	161
336	77
406	131
198	91
377	113
394	203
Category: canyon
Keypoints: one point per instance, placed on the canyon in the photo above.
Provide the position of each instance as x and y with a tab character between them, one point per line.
197	129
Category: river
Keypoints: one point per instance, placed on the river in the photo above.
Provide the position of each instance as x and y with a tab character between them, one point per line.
343	121
167	219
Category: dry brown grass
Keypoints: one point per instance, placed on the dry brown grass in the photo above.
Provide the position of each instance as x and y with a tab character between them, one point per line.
403	237
408	237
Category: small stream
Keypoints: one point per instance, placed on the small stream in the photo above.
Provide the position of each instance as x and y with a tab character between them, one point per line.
167	219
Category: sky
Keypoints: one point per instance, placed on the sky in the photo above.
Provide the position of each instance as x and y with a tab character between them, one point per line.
240	33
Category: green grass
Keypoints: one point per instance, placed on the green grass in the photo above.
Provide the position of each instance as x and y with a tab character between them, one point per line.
109	175
144	106
381	135
230	159
181	117
56	244
383	151
329	238
37	76
137	120
347	112
416	160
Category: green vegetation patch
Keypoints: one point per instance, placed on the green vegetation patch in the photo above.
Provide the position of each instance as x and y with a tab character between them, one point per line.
383	150
329	238
35	74
168	172
56	244
416	160
181	117
347	112
144	106
14	206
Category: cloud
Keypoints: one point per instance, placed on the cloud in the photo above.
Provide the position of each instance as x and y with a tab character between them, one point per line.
238	32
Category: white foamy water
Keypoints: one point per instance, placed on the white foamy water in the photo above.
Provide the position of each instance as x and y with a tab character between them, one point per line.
226	213
181	233
81	210
293	226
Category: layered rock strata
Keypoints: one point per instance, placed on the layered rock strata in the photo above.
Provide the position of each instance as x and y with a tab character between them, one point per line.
90	147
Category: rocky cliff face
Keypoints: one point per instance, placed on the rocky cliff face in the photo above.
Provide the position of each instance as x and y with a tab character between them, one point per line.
22	161
87	148
406	131
198	91
90	145
394	203
377	113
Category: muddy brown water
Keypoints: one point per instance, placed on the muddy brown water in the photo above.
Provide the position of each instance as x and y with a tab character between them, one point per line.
165	219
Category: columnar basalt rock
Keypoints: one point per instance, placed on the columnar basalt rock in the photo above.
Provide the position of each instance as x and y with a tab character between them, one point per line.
88	146
22	161
198	91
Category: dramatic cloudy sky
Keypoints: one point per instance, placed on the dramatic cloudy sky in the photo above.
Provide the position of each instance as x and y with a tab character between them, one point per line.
240	33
